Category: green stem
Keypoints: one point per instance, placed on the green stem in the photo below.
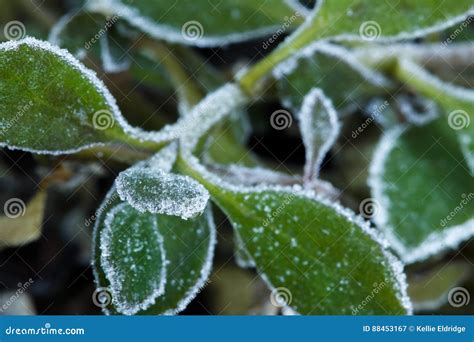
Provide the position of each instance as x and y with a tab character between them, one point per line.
181	80
302	37
184	166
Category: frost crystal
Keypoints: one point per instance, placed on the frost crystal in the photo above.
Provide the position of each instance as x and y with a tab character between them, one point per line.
156	191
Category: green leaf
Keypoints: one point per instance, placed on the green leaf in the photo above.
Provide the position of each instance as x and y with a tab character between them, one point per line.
457	102
422	191
310	249
133	258
366	20
189	247
50	103
333	69
363	20
156	191
202	22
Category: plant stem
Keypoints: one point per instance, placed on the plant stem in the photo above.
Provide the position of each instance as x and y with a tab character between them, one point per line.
182	81
303	36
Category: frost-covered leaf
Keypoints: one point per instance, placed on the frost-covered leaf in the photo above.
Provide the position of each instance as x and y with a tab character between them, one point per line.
133	258
319	128
422	190
366	20
156	191
333	69
362	20
50	103
311	248
202	22
429	290
317	260
21	223
457	102
189	247
85	34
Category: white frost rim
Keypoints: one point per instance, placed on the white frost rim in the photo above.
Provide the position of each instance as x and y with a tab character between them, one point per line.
166	32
